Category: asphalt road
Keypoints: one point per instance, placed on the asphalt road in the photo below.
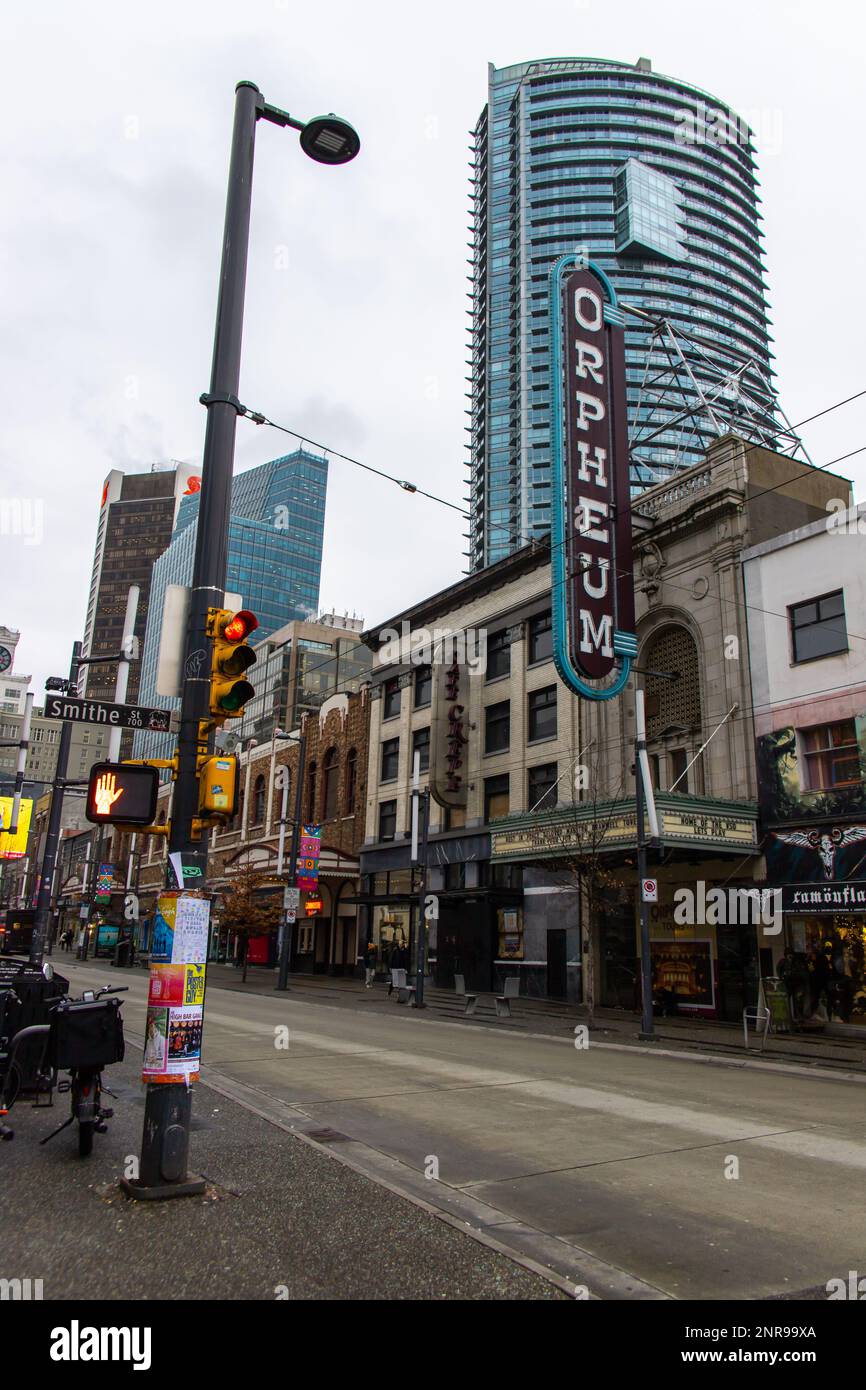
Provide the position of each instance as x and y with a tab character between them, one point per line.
629	1175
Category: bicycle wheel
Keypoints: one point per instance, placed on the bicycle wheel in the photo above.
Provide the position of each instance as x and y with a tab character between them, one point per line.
85	1138
12	1085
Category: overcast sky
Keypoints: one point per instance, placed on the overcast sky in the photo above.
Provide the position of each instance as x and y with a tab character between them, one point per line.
115	137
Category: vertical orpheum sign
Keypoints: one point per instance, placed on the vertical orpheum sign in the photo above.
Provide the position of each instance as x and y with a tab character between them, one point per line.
591	550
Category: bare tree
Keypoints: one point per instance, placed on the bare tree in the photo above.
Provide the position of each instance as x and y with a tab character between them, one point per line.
581	830
247	911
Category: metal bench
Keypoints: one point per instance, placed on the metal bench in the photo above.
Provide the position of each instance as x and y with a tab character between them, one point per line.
460	991
510	990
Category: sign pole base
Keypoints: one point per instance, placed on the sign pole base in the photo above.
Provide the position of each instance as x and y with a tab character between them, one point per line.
192	1186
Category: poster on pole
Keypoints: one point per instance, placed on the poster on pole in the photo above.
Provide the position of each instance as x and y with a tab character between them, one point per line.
175	1002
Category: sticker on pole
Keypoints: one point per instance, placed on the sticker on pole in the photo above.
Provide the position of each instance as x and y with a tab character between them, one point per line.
649	890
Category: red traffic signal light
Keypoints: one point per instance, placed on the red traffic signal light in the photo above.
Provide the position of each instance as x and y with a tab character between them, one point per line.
121	793
239	626
230	659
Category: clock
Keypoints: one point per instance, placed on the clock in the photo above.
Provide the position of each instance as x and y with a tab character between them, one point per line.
5	659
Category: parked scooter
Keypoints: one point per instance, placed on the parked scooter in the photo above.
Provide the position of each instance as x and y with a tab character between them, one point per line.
82	1036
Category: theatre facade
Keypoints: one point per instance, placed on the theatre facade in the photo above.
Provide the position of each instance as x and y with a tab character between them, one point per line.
535	873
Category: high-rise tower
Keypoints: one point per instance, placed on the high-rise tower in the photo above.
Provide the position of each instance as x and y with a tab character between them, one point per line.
656	181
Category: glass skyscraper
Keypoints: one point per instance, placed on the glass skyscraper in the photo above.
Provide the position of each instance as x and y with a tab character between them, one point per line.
656	181
274	561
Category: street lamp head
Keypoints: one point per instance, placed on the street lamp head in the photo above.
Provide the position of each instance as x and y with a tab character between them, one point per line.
330	140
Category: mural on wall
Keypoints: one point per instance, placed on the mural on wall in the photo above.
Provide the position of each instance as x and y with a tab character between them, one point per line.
829	854
782	793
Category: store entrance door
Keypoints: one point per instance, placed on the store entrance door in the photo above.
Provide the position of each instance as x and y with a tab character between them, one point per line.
556	957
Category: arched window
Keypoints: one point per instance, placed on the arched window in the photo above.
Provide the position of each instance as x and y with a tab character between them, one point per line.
311	794
673	710
672	704
259	800
330	773
351	780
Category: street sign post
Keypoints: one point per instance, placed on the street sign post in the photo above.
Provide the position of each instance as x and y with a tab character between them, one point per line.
649	890
100	712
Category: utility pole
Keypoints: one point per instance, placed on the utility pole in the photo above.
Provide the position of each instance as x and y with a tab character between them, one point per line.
645	803
420	832
52	837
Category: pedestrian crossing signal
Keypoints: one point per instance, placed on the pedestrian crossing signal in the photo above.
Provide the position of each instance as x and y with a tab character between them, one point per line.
121	794
231	658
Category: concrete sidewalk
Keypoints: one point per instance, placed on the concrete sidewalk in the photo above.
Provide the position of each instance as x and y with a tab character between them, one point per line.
280	1219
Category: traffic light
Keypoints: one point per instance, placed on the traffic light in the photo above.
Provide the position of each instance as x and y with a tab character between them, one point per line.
122	793
232	656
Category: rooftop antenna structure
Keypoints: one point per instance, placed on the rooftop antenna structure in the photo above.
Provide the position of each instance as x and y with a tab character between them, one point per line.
712	391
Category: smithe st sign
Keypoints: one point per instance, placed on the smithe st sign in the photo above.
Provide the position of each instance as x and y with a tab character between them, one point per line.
591	550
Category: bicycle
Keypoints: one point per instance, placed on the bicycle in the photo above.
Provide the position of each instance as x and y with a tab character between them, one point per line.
82	1036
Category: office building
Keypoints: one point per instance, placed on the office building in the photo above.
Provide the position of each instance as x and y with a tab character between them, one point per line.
274	561
137	513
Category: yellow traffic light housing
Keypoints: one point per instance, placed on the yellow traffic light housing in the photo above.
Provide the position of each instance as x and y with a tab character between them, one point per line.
218	786
232	656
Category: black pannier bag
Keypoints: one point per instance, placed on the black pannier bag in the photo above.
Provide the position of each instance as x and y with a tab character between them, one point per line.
86	1034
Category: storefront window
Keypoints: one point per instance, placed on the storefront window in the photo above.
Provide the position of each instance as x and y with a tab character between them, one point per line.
823	969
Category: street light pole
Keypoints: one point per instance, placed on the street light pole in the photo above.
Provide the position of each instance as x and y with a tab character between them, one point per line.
645	801
327	139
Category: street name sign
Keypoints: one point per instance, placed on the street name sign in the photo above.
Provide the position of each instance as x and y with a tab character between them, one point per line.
99	712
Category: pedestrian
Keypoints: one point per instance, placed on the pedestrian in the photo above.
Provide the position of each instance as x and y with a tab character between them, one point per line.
370	964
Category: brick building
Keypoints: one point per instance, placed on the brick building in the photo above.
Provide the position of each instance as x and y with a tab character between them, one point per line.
333	797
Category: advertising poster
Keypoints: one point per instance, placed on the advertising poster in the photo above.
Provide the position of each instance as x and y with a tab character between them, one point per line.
14	846
184	1043
685	968
175	1014
155	1044
176	984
